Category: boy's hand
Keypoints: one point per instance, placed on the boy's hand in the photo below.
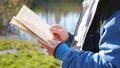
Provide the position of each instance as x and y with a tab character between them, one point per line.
60	34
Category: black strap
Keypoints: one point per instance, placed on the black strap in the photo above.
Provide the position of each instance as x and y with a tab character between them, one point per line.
104	10
93	36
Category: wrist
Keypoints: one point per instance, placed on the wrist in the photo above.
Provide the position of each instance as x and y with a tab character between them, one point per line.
68	41
66	37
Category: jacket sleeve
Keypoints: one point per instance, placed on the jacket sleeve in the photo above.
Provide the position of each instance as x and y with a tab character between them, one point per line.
107	57
83	59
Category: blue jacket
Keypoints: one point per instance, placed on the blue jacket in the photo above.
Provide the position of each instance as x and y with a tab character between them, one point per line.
107	57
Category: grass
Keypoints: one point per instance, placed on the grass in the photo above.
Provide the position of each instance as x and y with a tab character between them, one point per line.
27	56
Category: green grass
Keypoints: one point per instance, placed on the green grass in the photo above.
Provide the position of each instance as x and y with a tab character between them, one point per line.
27	56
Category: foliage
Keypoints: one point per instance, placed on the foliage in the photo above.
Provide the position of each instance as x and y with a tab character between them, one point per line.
13	44
54	1
9	8
27	56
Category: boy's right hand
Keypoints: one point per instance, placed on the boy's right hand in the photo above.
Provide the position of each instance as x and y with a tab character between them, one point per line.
60	34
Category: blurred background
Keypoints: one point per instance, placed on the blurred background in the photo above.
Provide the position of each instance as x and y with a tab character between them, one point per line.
20	50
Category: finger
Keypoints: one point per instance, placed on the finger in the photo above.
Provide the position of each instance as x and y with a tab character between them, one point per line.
56	34
56	26
54	30
45	49
54	43
44	45
56	37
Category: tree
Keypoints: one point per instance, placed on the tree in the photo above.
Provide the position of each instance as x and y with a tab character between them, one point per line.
9	8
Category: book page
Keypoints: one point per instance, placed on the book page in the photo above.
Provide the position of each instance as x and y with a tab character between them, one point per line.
34	23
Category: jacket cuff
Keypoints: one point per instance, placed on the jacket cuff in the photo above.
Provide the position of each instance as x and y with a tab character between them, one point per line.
60	51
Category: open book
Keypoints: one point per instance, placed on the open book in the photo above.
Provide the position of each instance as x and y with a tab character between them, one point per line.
31	23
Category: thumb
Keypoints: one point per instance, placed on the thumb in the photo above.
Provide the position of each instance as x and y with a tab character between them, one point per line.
54	43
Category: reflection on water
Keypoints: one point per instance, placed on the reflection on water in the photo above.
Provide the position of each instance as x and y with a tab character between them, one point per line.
67	21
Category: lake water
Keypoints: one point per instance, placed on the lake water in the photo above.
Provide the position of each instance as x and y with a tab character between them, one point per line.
67	21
